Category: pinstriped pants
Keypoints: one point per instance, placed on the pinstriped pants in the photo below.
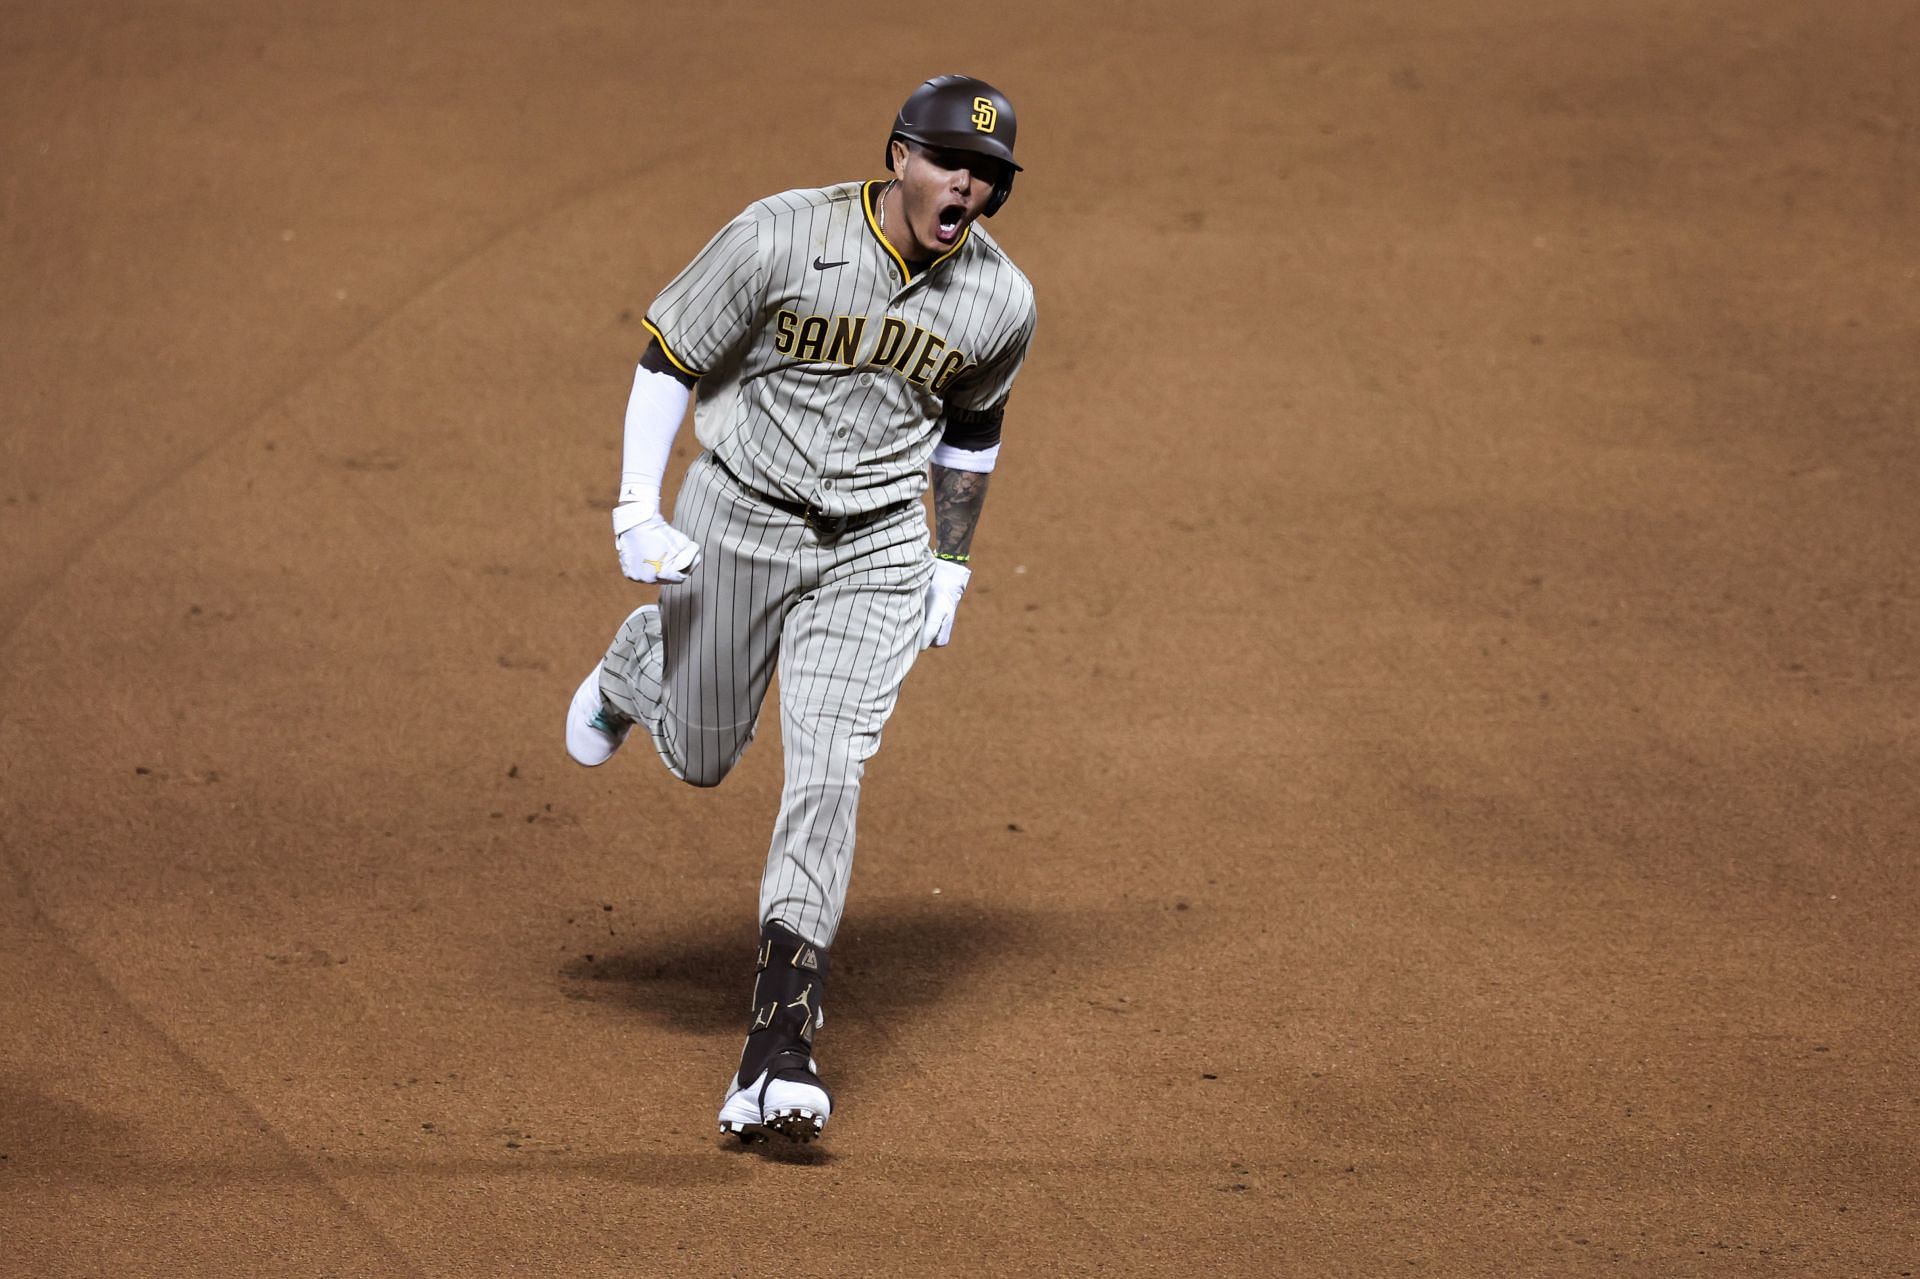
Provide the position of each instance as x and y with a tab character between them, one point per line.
841	619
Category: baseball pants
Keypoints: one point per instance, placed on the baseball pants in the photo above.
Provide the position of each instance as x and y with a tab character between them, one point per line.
840	618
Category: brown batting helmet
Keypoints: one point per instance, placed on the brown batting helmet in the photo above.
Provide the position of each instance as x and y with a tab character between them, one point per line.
960	113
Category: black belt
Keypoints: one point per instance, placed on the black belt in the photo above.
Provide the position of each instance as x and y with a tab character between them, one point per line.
828	528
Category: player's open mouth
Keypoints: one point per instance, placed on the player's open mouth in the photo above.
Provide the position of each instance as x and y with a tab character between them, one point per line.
950	219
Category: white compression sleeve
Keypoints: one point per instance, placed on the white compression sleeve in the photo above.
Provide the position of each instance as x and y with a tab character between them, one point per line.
979	461
654	411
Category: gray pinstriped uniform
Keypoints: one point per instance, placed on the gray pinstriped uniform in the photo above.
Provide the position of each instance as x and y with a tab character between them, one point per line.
827	368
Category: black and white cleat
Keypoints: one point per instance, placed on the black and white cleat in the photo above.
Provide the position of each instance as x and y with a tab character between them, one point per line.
797	1125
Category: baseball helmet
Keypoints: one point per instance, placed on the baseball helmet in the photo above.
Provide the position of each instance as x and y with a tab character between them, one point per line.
960	113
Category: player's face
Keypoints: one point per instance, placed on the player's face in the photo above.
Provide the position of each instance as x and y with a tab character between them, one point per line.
941	193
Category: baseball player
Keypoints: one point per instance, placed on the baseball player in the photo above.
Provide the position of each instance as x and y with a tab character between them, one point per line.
837	343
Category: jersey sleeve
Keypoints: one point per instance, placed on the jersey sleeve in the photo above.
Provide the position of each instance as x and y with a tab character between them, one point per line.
984	387
709	307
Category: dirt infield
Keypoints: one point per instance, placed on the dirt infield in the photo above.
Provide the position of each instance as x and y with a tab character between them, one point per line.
1424	782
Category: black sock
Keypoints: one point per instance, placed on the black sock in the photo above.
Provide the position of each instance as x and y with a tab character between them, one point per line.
788	989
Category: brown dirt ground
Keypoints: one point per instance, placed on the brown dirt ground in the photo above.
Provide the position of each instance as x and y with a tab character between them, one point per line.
1424	783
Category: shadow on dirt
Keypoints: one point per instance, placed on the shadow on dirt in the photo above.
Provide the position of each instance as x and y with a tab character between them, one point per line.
897	958
53	1136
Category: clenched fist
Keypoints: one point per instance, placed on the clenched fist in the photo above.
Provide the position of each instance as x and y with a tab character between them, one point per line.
943	601
650	549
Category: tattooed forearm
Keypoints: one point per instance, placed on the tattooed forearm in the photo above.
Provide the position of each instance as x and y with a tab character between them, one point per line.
957	499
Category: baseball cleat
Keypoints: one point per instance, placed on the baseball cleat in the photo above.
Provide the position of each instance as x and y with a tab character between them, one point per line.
740	1113
791	1102
594	729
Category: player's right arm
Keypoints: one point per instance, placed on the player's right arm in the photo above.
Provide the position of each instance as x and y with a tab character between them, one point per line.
650	549
654	360
697	321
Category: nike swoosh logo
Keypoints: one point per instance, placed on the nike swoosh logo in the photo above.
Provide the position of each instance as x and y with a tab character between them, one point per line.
818	265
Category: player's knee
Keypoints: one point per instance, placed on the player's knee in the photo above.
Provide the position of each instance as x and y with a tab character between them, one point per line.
705	779
702	756
708	768
705	773
840	760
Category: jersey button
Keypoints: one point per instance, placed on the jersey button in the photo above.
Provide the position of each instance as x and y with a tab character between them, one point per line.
842	432
866	379
826	484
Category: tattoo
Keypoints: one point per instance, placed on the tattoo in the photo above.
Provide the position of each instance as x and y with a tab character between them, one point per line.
957	499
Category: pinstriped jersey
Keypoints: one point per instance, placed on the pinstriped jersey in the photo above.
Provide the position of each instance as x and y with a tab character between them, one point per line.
826	362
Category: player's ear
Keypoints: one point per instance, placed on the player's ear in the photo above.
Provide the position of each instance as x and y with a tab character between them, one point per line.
897	152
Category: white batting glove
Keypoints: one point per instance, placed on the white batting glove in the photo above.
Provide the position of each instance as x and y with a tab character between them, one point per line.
650	549
943	601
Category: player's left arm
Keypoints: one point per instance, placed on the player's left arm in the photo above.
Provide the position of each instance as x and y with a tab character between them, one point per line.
969	448
962	463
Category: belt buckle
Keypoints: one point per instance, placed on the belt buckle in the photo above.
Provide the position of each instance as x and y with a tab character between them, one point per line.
826	527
